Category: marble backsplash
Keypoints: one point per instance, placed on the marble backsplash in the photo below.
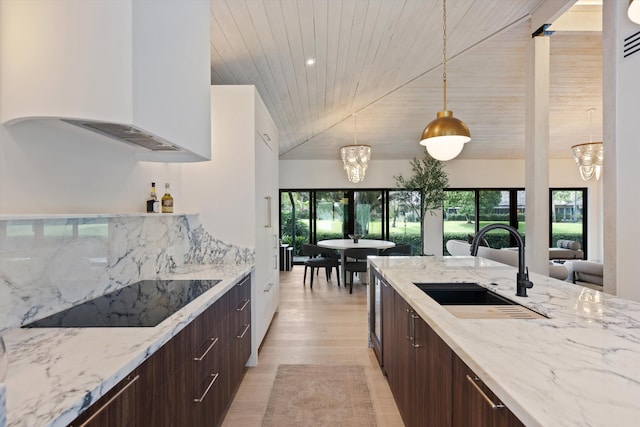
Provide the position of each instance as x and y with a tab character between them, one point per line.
50	264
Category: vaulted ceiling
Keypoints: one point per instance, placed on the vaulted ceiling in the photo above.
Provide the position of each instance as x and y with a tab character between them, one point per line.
382	59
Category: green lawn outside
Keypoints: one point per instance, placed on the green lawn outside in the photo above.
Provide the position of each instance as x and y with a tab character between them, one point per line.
413	228
375	227
464	227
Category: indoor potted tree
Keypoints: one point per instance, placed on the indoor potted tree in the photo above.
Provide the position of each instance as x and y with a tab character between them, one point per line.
430	180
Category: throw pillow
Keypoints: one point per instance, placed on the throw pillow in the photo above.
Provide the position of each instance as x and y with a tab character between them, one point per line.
568	244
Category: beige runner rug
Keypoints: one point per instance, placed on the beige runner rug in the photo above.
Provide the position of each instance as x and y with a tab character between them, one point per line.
319	395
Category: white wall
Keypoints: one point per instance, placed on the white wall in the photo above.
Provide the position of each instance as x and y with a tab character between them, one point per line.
219	189
328	174
44	170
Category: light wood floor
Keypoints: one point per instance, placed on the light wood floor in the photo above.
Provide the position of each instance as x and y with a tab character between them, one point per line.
325	325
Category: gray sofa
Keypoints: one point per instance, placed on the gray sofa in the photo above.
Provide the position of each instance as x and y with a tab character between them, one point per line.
585	273
509	257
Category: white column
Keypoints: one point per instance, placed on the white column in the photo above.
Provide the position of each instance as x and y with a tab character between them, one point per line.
537	155
621	174
610	52
433	233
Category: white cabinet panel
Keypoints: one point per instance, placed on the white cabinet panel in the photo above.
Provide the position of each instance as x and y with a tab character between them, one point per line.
237	192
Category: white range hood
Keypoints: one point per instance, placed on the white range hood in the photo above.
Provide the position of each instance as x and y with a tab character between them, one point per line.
138	71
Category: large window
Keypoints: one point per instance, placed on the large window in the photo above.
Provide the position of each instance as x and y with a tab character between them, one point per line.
330	215
404	219
313	215
295	207
568	207
468	210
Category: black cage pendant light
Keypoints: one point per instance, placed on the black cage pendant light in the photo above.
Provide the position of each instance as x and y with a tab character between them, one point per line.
445	136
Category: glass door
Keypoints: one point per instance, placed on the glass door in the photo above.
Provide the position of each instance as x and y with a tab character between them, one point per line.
331	215
568	216
502	207
404	219
459	216
294	219
368	214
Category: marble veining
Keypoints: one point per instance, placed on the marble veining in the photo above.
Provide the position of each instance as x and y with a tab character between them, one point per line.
579	367
74	367
52	263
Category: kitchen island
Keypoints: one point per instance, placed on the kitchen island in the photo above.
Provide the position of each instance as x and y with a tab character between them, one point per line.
54	374
577	367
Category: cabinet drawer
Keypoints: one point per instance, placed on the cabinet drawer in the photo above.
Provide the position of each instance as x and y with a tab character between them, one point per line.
474	404
240	292
211	350
116	408
204	325
196	396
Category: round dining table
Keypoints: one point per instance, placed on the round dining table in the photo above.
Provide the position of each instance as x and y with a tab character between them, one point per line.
342	244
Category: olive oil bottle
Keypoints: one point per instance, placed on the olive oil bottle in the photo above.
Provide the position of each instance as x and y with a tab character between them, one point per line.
167	200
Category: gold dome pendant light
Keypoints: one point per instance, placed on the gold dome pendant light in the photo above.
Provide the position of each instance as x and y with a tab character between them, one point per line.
634	11
445	136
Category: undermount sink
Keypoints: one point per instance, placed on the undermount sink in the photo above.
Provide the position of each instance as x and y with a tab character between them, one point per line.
468	300
462	293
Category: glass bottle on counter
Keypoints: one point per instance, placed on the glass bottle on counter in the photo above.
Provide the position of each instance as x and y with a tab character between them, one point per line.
153	204
167	200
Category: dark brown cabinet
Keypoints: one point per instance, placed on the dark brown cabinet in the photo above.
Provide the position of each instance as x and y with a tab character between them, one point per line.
430	384
116	408
191	379
474	404
417	363
239	328
387	320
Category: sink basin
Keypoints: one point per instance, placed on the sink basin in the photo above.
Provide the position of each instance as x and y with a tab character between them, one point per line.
468	300
462	293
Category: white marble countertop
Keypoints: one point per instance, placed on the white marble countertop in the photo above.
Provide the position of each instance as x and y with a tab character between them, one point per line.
51	370
579	367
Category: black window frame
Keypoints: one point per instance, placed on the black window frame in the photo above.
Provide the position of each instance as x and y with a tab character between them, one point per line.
513	209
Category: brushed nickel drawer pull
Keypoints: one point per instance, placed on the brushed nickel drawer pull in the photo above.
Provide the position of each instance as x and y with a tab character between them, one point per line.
268	288
413	331
215	377
474	381
408	325
243	305
102	408
268	206
246	328
214	342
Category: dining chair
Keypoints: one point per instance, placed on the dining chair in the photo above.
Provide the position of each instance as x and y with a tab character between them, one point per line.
319	258
397	250
356	262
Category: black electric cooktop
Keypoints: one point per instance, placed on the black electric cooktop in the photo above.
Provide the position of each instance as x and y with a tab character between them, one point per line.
142	304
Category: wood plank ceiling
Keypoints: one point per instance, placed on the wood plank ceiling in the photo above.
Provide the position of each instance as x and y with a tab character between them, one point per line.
382	59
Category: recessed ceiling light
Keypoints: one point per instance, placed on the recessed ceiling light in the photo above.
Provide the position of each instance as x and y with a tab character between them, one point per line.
310	61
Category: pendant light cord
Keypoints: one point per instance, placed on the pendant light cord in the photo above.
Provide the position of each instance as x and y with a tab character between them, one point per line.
355	129
590	111
444	52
